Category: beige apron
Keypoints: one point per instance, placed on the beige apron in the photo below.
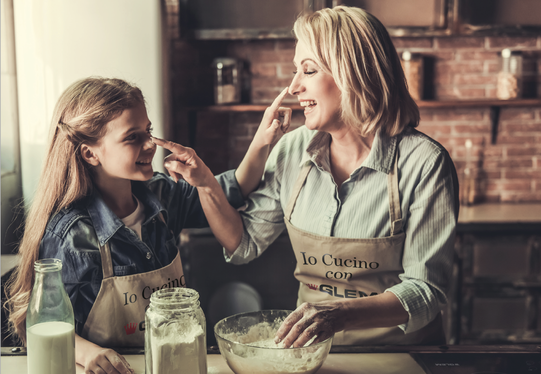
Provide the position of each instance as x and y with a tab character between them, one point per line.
329	268
117	318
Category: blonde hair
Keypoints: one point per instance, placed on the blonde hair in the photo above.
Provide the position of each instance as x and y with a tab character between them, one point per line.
80	117
356	49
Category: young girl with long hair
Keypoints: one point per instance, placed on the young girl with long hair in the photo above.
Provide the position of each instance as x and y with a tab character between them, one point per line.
114	223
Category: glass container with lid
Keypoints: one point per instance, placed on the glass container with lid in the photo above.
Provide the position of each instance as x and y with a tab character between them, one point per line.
175	333
227	87
510	75
413	67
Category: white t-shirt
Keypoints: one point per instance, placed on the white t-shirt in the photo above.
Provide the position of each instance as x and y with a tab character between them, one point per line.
135	220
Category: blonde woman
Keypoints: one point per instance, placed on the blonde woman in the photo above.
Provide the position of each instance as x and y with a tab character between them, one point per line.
369	202
98	196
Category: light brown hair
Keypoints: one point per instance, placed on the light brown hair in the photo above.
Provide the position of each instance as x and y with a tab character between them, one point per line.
355	48
80	117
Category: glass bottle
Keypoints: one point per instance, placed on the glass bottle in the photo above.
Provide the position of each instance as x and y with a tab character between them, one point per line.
510	75
226	81
175	333
50	326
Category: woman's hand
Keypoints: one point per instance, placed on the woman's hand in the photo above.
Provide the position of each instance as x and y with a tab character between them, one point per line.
275	122
319	320
183	163
98	360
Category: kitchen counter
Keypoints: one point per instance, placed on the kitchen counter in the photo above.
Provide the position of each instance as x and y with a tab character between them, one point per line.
512	359
498	216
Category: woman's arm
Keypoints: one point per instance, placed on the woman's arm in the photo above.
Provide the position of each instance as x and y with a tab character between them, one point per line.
93	358
223	219
270	130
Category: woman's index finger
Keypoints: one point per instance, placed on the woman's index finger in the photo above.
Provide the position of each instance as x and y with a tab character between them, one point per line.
169	145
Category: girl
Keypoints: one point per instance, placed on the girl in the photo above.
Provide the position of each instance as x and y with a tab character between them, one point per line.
113	222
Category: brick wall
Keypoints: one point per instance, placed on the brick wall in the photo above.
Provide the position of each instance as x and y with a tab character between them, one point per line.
456	68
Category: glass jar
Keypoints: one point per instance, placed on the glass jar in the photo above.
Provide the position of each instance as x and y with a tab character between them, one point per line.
50	326
226	81
413	67
510	75
175	333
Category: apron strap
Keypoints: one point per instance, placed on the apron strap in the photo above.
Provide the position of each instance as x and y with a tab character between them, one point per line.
105	253
106	260
395	211
297	189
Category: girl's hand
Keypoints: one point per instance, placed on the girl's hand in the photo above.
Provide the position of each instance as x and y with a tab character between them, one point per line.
107	361
183	163
98	360
309	320
275	122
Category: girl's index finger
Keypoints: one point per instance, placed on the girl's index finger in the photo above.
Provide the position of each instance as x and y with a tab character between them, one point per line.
278	101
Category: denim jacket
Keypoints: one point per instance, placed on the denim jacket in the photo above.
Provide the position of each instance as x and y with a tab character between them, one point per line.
72	235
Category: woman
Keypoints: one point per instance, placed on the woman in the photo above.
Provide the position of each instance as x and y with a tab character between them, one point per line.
370	204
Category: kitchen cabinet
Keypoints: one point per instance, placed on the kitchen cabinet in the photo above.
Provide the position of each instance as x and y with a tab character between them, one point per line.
260	19
498	299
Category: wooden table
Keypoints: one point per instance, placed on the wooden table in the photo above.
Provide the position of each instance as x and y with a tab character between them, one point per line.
371	363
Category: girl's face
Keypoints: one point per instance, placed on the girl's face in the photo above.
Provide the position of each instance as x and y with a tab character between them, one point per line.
316	90
125	152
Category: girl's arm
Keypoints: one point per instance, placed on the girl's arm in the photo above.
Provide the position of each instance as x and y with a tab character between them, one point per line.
93	358
274	124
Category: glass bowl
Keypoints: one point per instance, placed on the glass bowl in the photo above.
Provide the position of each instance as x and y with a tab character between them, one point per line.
246	341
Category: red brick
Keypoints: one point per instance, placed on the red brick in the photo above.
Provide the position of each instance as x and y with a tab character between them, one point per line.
264	70
460	42
412	43
434	128
511	42
272	56
270	82
522	174
514	139
516	113
491	164
492	67
285	70
426	114
523	151
523	127
472	128
475	79
443	78
286	44
459	115
453	67
465	55
492	151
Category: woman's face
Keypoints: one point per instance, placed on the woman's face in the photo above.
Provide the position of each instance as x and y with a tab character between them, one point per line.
316	90
125	152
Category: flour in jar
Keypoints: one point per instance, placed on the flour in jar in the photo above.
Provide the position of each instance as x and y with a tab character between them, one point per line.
178	348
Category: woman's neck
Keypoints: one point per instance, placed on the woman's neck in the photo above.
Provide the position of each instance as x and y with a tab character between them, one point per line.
348	150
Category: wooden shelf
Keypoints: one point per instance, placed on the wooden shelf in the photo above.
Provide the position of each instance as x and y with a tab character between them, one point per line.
422	104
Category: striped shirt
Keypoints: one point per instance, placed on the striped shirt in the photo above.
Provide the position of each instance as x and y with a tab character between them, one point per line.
360	208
